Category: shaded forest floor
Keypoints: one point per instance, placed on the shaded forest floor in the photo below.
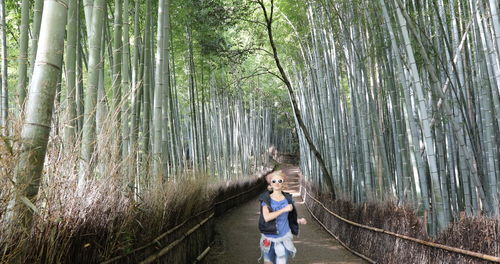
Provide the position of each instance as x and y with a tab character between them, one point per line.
237	235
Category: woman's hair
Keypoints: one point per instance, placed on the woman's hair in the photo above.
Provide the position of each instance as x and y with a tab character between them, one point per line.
271	175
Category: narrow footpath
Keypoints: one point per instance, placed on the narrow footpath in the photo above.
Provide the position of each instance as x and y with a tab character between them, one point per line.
237	234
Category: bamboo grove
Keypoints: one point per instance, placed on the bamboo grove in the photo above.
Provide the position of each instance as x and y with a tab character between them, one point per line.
399	99
402	100
143	92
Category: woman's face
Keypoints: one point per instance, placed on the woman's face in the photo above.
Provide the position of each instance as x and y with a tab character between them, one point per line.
277	182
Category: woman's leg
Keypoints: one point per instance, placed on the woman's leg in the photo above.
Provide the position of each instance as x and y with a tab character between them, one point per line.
284	259
270	257
281	260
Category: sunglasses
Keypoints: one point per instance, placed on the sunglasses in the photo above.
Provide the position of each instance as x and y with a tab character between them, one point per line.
277	181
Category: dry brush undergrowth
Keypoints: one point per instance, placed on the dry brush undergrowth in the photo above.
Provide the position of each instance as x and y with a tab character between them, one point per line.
479	234
103	218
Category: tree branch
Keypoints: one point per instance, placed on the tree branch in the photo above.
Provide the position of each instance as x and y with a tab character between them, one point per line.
326	174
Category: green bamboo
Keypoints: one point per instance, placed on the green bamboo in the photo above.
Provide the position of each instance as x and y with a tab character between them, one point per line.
70	63
4	77
126	89
35	32
145	133
158	93
38	114
326	174
95	64
23	53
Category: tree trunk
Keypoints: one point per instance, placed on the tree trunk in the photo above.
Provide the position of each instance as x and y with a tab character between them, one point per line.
4	78
158	94
437	199
70	63
37	121
37	18
95	64
117	70
146	133
23	53
125	80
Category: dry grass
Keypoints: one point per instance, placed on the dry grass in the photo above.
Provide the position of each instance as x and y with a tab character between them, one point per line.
8	159
477	234
103	219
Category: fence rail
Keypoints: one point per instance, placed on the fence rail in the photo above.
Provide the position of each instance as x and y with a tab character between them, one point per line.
164	250
379	230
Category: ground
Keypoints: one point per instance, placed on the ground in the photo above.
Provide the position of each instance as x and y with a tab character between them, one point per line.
237	235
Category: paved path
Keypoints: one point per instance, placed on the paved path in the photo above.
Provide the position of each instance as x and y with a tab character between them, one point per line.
237	236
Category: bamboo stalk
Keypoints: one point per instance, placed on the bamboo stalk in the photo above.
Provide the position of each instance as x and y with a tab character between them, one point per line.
202	255
326	174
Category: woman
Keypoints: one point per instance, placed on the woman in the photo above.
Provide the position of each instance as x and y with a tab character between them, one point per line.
277	222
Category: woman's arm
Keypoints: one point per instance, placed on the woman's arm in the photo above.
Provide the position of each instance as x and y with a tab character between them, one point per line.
268	216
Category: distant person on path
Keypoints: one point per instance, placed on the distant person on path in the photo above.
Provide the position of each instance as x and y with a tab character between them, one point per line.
277	222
